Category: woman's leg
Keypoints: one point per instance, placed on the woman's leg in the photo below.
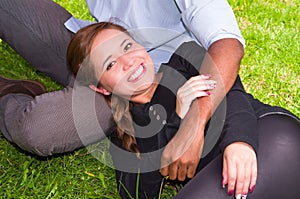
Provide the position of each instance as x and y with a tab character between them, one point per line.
278	164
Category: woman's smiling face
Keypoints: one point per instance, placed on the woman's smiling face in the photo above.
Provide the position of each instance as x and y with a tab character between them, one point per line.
123	66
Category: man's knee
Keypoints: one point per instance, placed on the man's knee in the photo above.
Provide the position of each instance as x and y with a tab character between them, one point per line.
46	142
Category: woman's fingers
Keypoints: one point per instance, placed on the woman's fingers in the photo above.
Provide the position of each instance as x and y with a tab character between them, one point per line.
232	172
253	176
239	169
197	83
183	102
241	181
224	173
247	179
195	87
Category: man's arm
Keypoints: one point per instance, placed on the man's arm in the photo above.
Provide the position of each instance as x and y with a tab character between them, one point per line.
213	24
185	149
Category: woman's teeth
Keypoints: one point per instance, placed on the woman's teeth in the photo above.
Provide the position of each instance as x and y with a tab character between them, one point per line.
137	73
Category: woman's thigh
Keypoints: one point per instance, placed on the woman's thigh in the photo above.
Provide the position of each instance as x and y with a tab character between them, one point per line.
278	164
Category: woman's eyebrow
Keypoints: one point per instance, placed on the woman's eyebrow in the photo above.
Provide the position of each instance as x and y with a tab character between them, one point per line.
106	60
124	42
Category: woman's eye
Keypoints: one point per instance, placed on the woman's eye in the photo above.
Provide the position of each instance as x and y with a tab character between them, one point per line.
127	47
110	65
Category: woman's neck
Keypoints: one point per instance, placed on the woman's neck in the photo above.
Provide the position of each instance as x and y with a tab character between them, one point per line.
148	94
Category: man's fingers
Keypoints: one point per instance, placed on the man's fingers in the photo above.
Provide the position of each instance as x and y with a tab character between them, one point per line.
182	172
179	171
164	171
191	171
173	170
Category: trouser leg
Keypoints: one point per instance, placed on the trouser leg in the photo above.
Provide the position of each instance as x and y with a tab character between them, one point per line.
35	30
278	164
47	124
54	122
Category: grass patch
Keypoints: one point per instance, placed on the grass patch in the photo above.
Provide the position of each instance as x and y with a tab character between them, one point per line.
270	71
271	67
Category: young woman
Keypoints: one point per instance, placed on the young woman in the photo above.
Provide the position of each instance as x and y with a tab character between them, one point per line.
148	107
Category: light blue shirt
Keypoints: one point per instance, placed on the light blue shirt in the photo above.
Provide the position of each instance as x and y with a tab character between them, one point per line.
162	25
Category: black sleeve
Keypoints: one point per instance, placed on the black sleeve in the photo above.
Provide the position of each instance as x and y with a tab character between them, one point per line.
187	59
241	121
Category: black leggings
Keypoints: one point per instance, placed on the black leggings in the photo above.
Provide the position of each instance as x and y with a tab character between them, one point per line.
278	165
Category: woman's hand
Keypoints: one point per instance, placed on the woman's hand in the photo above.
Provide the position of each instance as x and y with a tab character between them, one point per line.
197	86
239	169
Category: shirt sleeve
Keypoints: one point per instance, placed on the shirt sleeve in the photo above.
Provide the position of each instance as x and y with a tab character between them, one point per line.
209	20
241	121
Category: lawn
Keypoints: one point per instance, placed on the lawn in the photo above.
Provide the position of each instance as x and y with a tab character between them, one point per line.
270	71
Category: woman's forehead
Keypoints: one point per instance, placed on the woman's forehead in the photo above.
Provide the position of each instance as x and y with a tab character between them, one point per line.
109	37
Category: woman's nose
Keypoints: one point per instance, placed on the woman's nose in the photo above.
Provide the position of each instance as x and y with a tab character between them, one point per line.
127	61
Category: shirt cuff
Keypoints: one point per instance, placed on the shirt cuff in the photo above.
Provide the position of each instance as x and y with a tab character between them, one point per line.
74	24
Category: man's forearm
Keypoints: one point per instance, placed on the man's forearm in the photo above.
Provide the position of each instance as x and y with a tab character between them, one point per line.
222	62
186	147
226	55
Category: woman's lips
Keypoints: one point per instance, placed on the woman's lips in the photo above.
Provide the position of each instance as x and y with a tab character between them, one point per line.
137	74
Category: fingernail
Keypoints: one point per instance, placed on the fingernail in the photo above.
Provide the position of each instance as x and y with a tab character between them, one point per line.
223	184
207	75
207	92
252	189
238	196
244	196
230	192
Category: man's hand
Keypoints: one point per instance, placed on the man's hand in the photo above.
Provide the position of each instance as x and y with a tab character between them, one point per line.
182	154
186	165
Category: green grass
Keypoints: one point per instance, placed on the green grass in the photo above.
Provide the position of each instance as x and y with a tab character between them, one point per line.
270	71
271	67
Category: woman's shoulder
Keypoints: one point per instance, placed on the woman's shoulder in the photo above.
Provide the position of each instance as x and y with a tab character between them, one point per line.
186	60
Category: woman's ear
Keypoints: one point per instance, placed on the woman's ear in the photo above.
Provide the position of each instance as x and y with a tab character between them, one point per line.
99	90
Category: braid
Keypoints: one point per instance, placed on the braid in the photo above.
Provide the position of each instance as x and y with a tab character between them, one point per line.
124	122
